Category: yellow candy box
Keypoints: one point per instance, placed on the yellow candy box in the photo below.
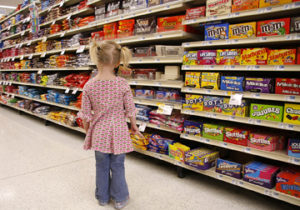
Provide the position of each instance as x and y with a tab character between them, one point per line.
291	114
254	56
240	111
268	3
210	80
177	151
242	30
193	102
192	79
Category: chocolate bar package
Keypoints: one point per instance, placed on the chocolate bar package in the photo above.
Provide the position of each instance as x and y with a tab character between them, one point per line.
218	7
113	8
242	30
145	26
259	85
144	51
232	83
216	31
295	24
195	13
229	168
207	57
273	27
287	86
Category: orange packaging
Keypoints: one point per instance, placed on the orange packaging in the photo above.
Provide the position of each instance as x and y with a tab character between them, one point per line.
241	5
282	57
171	23
254	56
110	31
288	181
298	54
268	3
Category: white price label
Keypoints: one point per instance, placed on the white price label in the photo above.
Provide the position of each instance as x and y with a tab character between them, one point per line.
294	160
62	52
22	57
40	71
69	17
186	44
259	11
219	176
279	68
208	91
44	39
213	115
240	183
13	59
134	82
232	117
142	38
157	83
290	98
247	149
140	60
275	194
255	95
22	33
290	127
228	41
186	67
74	91
257	122
287	6
20	45
224	144
13	96
236	99
288	37
142	127
268	192
249	67
10	83
281	125
53	22
233	181
157	60
164	109
9	27
236	14
43	55
207	140
80	49
262	39
29	43
63	34
61	3
30	56
67	90
250	121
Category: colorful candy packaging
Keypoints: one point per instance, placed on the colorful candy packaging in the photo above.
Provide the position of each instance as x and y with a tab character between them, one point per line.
146	94
159	144
211	131
210	80
236	136
291	113
287	181
273	27
228	57
192	79
195	13
218	7
254	56
265	142
177	151
216	31
201	158
260	85
261	174
193	102
212	104
234	110
266	112
282	57
190	58
241	5
298	55
242	30
229	168
268	3
295	25
288	86
232	83
294	147
207	57
193	128
172	23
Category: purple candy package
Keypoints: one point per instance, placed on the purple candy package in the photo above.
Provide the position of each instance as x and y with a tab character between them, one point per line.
193	128
229	168
207	57
259	85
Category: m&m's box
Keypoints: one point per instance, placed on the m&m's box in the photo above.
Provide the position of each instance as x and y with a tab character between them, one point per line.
232	83
216	31
273	27
235	110
295	24
266	112
268	3
211	131
190	58
228	56
229	168
193	102
241	5
210	80
242	30
254	56
288	86
267	142
212	104
294	147
282	57
288	181
291	113
218	7
192	79
207	57
192	128
236	136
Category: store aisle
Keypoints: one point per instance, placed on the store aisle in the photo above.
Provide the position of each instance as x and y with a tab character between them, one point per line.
45	168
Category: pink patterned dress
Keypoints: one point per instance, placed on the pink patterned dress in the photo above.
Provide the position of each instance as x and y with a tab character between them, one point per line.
107	104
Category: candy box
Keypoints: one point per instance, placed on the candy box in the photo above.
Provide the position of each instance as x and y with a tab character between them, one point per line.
234	110
282	57
261	174
153	2
210	80
195	13
260	85
287	181
241	5
190	58
294	147
218	7
295	25
291	113
232	83
110	31
212	104
171	23
273	27
207	57
193	102
236	136
192	128
288	86
266	112
177	151
145	26
216	31
242	30
192	79
267	142
158	142
215	132
298	55
268	3
229	168
146	94
254	56
228	57
201	158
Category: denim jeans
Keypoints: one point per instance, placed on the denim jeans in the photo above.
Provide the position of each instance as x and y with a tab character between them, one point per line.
110	177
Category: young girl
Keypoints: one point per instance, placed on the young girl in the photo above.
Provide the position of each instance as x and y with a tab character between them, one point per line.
106	103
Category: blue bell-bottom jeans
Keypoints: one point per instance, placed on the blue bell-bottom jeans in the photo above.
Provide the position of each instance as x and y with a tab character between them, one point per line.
110	177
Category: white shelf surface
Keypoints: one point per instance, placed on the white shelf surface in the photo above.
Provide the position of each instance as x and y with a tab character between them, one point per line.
156	59
48	69
157	83
153	102
158	127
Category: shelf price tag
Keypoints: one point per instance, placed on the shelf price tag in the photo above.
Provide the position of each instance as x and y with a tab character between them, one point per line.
255	95
80	49
43	55
30	56
257	122
22	57
67	90
219	176
74	91
224	144
61	3
13	59
234	181
62	52
53	22
186	44
247	149
29	43
22	33
142	127
164	109
20	45
279	68
290	98
290	127
262	39
40	71
44	39
268	192
236	99
288	37
157	83
294	160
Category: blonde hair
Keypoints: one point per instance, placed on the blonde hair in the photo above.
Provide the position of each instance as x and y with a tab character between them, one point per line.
109	53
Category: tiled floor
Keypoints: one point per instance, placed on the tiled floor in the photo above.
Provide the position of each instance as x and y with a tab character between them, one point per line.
45	168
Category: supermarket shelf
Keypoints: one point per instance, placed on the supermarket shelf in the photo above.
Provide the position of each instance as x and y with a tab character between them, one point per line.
238	182
246	120
261	96
268	12
243	67
49	69
21	33
157	83
153	102
15	13
275	155
18	23
94	2
290	38
156	59
158	127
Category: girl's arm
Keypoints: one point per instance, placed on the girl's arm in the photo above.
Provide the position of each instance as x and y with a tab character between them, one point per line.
86	110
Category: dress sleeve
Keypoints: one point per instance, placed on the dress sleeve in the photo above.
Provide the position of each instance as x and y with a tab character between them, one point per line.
85	112
128	102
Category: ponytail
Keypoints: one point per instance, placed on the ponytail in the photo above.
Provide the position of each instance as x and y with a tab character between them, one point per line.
125	57
94	54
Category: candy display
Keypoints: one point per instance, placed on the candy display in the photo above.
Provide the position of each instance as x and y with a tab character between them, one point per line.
282	57
266	142
125	28
201	158
174	121
266	112
217	31
242	30
287	181
210	80
171	23
195	13
207	57
190	58
273	27
167	95
229	168
143	112
236	136
211	131
140	143
295	25
193	128
232	83
110	31
228	57
268	3
159	144
293	147
144	94
177	151
145	26
192	79
241	5
193	102
218	7
291	113
212	104
144	74
287	86
260	85
254	56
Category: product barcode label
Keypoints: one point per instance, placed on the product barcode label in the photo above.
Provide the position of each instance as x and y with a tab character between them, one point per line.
74	91
63	52
247	149
67	90
290	98
43	55
63	34
142	127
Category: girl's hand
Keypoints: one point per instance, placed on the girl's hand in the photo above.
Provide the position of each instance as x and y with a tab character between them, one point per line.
135	131
86	126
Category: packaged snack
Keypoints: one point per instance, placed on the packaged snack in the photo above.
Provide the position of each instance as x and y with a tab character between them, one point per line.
273	27
212	104
190	58
195	13
298	55
177	151
234	110
211	131
260	85
288	86
193	128
282	57
153	2
261	174
241	5
207	57
218	7
295	25
193	102
210	80
228	57
165	95
287	181
144	74
268	3
110	31
201	158
294	147
291	113
236	136
158	143
266	112
229	168
192	79
216	31
165	50
145	26
171	23
264	141
144	51
254	56
232	83
242	30
145	94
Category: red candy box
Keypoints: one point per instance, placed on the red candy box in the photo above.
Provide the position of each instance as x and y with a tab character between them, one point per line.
236	136
273	27
288	86
288	181
195	13
171	24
